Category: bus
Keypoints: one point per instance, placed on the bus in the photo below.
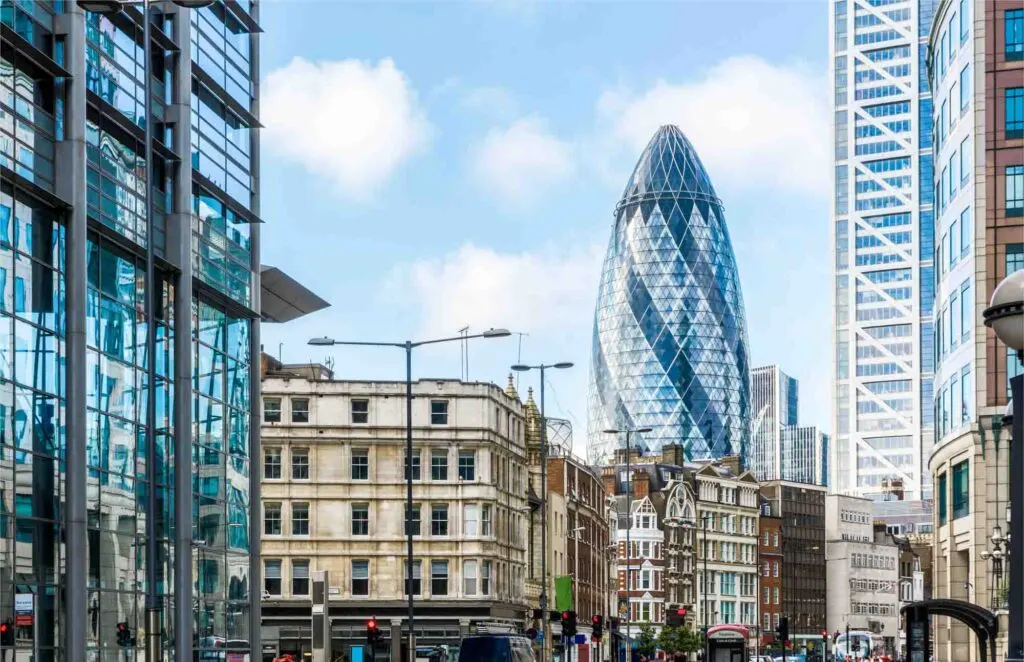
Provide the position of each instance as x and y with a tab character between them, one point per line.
859	646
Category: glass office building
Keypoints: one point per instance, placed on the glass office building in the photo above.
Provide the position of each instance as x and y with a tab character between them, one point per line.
670	339
75	479
883	234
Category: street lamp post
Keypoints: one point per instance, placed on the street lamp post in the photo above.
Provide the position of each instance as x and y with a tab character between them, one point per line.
154	603
1005	316
408	346
519	367
629	432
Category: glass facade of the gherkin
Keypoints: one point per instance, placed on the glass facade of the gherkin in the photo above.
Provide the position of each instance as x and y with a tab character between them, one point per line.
670	340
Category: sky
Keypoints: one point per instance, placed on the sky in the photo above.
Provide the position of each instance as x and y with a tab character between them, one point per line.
432	166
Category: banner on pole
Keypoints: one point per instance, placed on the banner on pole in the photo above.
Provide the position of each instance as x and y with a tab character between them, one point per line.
563	593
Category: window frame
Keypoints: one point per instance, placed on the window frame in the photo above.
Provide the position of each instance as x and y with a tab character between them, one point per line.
364	414
443	528
296	563
300	453
442	467
467	470
298	507
439	411
268	507
356	467
299	414
1016	172
360	527
417	577
279	465
435	577
279	563
268	417
352	582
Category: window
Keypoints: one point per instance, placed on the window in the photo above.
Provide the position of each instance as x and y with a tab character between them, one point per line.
965	160
360	411
775	538
766	534
272	463
775	569
417	579
439	519
469	577
416	521
767	572
775	595
1014	27
961	490
1014	258
360	519
1015	190
1015	112
300	577
485	578
272	519
470	521
272	576
965	23
965	87
300	410
485	521
360	578
439	412
300	519
439	577
645	579
767	596
415	466
300	464
767	620
271	410
438	465
467	465
360	465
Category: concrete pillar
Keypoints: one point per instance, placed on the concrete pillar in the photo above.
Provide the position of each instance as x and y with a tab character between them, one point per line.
71	166
179	253
396	640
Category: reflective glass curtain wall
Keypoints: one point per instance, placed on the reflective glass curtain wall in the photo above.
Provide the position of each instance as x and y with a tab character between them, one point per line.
881	228
204	232
670	339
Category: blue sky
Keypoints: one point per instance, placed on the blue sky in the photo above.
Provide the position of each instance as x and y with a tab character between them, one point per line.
428	166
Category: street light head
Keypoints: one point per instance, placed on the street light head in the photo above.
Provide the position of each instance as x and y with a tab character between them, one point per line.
612	431
519	367
1005	313
563	365
193	4
106	7
321	342
496	333
643	430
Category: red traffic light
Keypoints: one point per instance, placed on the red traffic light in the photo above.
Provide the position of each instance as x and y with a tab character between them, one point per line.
371	624
3	627
121	627
595	620
565	615
682	611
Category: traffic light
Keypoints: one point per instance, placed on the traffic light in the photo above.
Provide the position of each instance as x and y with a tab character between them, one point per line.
783	629
674	617
538	614
124	635
568	623
835	636
598	627
7	633
372	632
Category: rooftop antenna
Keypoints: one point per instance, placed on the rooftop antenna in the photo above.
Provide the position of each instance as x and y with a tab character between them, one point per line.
464	354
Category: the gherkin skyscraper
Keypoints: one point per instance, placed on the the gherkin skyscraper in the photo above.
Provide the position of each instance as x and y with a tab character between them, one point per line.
670	339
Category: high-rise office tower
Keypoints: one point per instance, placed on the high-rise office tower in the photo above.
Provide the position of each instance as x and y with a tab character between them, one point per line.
781	449
670	336
883	231
129	403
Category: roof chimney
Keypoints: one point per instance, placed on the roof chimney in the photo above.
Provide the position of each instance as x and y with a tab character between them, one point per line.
608	478
641	484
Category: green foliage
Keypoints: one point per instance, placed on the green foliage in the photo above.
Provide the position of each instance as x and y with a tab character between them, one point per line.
645	640
680	640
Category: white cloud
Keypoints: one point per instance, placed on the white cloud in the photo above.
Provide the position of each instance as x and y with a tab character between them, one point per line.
752	122
520	161
549	289
349	121
494	100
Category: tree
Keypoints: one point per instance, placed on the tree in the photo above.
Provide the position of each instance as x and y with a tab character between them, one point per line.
645	641
680	640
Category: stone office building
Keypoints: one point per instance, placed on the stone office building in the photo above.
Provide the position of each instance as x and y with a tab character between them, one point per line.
333	499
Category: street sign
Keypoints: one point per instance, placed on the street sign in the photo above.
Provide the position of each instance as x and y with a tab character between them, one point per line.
580	639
